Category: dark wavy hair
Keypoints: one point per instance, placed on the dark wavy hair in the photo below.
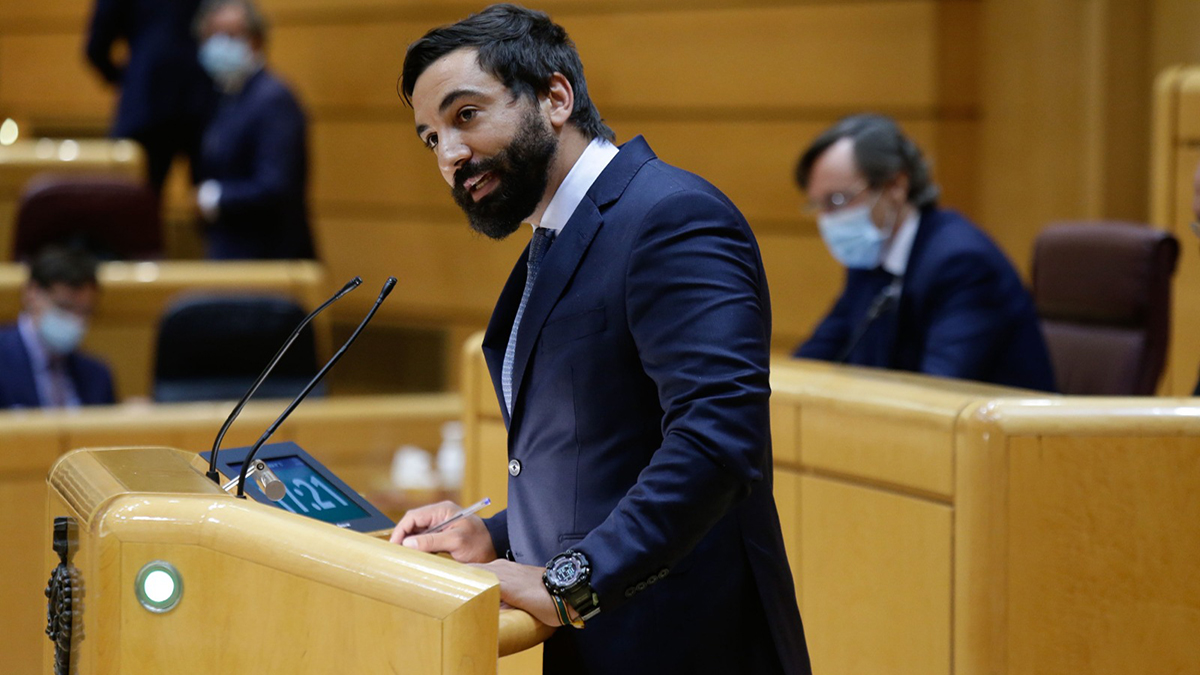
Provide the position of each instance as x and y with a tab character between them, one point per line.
61	265
521	47
881	151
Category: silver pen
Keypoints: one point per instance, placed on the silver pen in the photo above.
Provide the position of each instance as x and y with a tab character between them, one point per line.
463	513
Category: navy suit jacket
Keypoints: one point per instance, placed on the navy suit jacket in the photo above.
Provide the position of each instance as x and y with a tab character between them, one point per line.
640	425
963	313
163	82
18	389
256	146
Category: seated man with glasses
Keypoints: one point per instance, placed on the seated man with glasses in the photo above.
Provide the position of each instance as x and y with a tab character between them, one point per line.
926	291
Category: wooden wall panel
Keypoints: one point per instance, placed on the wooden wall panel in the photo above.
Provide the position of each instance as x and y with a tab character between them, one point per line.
665	60
43	12
44	76
446	272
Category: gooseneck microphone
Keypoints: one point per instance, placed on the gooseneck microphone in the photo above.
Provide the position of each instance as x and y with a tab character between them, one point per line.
883	302
212	473
387	288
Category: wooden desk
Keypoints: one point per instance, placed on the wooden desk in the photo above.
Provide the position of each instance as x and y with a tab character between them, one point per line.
25	159
354	436
940	526
134	296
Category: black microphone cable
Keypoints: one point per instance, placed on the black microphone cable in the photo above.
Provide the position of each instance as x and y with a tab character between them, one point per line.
882	303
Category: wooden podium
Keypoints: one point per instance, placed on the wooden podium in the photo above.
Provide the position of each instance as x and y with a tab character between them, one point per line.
169	574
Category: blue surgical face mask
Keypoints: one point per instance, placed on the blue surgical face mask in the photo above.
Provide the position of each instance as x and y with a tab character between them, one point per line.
228	60
852	237
61	331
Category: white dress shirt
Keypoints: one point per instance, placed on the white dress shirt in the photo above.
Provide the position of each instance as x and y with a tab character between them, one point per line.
895	259
579	180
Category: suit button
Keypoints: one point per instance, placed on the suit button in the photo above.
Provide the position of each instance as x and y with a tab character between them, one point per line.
663	572
514	467
630	591
641	586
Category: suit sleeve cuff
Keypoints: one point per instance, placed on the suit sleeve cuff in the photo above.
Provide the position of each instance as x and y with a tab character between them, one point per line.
497	526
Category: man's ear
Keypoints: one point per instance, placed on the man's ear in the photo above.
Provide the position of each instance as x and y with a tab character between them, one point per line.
559	101
898	187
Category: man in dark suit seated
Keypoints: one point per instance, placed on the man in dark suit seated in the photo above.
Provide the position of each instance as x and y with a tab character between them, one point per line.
926	290
630	355
39	362
253	165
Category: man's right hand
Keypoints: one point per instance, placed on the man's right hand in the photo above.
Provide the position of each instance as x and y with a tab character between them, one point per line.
467	540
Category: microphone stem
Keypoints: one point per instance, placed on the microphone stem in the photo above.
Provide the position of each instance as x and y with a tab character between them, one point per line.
212	473
308	388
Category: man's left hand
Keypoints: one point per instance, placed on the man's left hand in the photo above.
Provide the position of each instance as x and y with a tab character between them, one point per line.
521	587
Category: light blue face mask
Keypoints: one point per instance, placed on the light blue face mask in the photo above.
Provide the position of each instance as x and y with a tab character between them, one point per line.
62	332
227	59
852	237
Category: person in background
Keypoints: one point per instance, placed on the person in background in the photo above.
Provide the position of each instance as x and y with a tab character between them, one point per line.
630	355
165	97
40	362
926	290
253	166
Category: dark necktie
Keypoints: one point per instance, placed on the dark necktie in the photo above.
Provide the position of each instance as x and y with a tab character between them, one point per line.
542	238
57	372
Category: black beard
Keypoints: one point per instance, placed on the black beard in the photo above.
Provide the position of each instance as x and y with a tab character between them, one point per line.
523	171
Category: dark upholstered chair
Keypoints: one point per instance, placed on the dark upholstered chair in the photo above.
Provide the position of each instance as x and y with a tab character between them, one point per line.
112	216
1103	291
211	347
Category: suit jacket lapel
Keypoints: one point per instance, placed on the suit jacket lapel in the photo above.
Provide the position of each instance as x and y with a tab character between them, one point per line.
558	267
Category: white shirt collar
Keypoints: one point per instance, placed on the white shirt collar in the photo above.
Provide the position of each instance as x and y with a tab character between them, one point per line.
587	169
895	260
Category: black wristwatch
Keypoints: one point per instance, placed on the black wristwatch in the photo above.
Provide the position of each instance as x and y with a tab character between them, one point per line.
568	579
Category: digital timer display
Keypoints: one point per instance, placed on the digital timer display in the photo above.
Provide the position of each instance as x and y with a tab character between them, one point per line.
311	495
313	491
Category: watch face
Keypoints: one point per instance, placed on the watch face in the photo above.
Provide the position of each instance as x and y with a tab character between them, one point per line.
564	572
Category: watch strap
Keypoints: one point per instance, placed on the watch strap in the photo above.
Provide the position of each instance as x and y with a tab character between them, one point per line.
564	614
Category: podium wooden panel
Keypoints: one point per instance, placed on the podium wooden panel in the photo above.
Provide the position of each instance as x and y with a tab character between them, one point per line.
134	296
941	526
354	436
263	589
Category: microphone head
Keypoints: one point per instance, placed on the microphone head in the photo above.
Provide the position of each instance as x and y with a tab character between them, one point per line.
268	482
352	284
387	287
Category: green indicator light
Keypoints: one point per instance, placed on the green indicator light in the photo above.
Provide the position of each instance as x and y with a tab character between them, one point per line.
159	586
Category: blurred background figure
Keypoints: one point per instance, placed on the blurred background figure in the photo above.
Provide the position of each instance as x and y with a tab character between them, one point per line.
253	167
165	97
926	290
40	365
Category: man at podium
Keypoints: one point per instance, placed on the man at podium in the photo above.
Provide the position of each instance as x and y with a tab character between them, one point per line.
629	352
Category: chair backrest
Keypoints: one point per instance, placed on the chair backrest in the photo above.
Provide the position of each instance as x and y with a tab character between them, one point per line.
211	347
116	217
1103	292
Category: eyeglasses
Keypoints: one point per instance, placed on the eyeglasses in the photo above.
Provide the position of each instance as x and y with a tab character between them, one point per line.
834	201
